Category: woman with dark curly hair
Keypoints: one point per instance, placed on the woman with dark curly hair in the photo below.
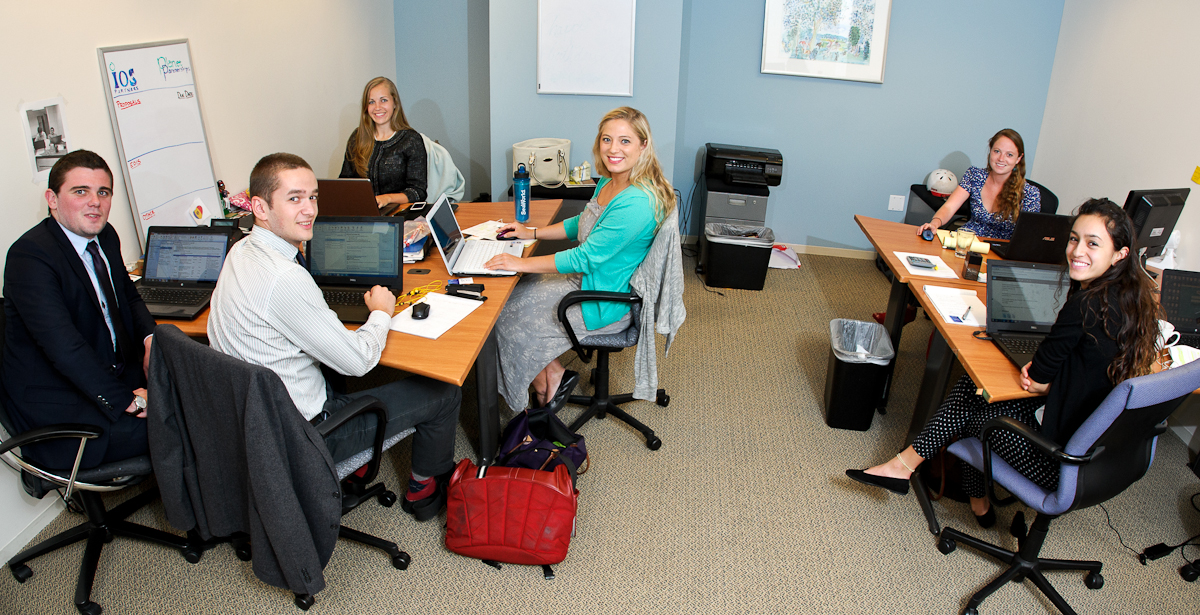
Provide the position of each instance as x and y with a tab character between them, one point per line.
1105	333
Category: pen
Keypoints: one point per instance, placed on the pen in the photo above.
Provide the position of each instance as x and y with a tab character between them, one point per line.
966	313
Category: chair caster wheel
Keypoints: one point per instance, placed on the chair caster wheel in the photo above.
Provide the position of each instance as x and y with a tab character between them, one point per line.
662	399
970	611
304	601
21	572
1094	580
191	555
243	554
108	537
89	608
386	499
401	561
946	545
653	443
1187	571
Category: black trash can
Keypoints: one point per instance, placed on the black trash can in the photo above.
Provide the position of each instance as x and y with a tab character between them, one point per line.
737	256
859	354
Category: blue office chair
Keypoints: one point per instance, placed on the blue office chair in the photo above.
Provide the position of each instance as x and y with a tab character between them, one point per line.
1109	452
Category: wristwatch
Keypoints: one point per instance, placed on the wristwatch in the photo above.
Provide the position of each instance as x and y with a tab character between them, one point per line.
140	402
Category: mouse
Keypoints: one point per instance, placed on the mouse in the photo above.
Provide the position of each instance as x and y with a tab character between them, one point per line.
420	311
927	234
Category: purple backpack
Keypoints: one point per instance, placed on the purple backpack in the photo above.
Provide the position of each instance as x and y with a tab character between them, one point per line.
537	439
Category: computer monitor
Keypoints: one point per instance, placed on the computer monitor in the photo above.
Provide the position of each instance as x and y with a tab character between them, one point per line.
1154	214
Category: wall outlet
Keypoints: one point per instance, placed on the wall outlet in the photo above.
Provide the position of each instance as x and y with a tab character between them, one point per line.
896	202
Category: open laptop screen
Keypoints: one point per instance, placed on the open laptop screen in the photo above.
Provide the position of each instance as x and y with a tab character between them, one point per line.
185	257
1024	297
1181	299
356	248
443	224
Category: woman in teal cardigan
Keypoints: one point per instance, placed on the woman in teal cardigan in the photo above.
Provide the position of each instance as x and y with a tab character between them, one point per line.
614	233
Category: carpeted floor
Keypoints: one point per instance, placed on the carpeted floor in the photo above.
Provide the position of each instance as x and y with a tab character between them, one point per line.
745	509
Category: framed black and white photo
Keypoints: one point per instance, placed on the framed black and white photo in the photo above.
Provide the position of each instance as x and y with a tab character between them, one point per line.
46	138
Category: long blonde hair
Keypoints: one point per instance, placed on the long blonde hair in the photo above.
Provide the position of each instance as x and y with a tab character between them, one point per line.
364	135
1008	202
647	172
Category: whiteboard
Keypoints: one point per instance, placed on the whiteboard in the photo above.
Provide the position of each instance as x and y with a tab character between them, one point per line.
155	112
585	47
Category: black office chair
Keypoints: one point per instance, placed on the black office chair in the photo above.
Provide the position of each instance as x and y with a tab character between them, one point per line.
82	488
181	372
1109	452
1049	200
601	402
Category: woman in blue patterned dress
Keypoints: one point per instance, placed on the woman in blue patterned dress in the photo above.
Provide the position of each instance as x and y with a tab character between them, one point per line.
997	194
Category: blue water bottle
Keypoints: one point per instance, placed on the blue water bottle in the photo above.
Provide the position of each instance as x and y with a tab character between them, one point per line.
521	193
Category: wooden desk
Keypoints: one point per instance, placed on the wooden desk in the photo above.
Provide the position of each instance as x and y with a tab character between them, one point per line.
469	343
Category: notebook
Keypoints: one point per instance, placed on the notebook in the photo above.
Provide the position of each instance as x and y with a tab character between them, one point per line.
1181	304
348	255
1038	238
182	267
464	257
1023	300
350	197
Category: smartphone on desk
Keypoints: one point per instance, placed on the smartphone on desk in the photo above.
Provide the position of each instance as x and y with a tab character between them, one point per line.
923	263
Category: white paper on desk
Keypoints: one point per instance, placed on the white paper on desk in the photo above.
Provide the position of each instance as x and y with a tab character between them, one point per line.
487	231
952	303
444	312
942	270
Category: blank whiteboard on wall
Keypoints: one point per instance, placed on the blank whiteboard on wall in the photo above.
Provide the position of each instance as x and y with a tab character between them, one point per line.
155	113
585	47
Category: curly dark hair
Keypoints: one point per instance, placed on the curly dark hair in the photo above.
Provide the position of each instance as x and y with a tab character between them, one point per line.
1136	338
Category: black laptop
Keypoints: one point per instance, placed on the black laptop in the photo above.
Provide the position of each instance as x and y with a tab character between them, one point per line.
1037	238
349	254
350	197
1023	300
182	266
1181	304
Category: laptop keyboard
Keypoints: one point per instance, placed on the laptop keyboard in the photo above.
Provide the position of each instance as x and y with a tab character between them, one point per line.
475	253
1189	339
174	296
1019	345
343	297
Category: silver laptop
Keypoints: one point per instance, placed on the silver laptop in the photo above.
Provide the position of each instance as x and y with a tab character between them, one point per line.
1023	300
348	255
350	197
464	257
182	266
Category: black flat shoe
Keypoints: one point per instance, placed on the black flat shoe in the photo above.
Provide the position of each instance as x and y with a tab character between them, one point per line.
899	486
565	387
987	519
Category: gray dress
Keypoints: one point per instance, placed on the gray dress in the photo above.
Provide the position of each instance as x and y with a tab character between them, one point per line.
528	334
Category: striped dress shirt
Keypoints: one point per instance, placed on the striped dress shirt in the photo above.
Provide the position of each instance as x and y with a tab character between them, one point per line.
267	310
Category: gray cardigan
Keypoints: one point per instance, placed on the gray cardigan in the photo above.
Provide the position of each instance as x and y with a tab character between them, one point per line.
232	454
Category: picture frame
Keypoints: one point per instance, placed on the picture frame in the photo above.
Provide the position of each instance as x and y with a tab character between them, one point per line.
826	39
46	138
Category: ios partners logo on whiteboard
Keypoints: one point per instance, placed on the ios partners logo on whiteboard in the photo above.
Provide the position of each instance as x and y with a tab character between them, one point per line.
123	81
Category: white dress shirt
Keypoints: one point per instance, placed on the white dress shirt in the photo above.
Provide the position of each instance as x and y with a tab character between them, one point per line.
80	244
267	310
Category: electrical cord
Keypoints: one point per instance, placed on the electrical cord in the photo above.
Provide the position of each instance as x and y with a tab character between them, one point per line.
1115	531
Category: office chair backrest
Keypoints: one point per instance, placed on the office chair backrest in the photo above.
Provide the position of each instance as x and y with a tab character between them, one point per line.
1127	424
1049	201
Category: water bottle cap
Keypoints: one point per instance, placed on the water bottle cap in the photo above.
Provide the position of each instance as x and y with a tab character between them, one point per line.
521	173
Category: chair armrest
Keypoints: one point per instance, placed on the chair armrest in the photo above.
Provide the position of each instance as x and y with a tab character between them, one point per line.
52	432
362	405
579	296
1047	446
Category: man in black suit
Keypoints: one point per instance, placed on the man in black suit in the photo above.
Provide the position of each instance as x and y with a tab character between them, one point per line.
77	333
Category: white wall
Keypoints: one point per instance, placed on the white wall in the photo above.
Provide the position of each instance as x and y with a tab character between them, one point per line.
272	76
1121	110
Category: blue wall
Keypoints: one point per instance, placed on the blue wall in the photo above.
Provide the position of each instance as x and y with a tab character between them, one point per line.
442	76
956	72
519	113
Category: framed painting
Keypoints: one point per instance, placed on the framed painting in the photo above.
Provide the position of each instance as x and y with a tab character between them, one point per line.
829	39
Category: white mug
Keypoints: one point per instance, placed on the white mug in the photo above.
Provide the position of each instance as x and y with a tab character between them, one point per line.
1167	335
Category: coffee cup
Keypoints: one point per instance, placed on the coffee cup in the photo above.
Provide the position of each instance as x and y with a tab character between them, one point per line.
1167	335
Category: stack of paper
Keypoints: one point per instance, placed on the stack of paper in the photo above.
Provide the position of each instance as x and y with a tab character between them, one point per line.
940	268
957	306
444	312
415	251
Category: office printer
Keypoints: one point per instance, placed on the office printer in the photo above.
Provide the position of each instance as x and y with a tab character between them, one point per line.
735	183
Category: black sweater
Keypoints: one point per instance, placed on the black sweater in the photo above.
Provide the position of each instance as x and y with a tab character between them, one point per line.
396	165
1074	359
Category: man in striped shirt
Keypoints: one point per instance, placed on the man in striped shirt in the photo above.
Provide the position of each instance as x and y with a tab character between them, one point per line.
267	310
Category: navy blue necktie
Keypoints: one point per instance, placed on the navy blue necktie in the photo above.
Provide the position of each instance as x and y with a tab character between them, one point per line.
110	298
